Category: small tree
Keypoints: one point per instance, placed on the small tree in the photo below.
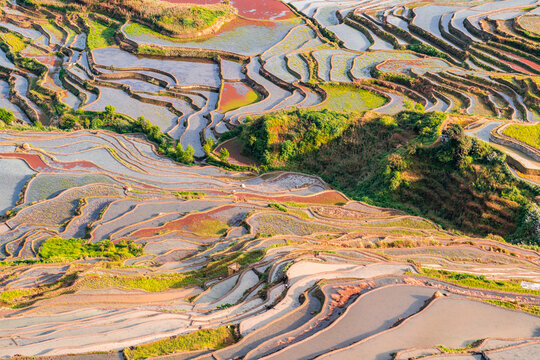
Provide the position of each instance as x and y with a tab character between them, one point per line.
190	154
224	155
184	156
142	123
109	113
408	104
419	107
69	122
207	147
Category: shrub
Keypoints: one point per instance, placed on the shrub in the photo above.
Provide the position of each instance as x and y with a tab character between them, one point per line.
7	116
185	156
224	155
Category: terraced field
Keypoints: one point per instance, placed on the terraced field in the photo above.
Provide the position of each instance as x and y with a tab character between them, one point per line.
131	228
193	223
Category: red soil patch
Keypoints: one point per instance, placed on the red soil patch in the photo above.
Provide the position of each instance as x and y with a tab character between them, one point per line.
34	161
328	197
234	146
253	9
182	224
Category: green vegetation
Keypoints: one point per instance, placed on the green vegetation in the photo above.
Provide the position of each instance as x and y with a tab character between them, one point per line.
533	309
101	35
393	161
189	195
7	116
427	50
278	207
528	134
157	283
20	298
447	350
477	281
9	296
184	156
224	155
63	250
24	62
198	340
151	284
350	98
135	29
280	137
528	228
15	42
110	120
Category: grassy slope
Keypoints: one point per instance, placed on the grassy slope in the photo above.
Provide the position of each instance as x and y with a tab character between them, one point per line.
100	35
462	184
529	134
198	340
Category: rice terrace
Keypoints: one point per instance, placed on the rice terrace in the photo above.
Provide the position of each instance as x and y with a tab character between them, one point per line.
269	179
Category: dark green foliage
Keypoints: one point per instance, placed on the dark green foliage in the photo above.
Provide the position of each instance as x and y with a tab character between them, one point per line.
60	250
427	50
184	156
69	122
528	229
460	183
287	135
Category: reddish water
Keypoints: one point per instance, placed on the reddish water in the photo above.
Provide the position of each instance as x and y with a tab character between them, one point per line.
253	9
532	64
37	163
235	95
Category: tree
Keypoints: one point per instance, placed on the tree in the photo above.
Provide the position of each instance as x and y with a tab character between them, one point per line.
408	104
184	156
69	122
190	154
224	155
207	147
109	113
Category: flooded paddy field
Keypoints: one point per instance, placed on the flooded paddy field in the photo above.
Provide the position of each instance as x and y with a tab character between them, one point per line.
188	218
355	41
116	231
